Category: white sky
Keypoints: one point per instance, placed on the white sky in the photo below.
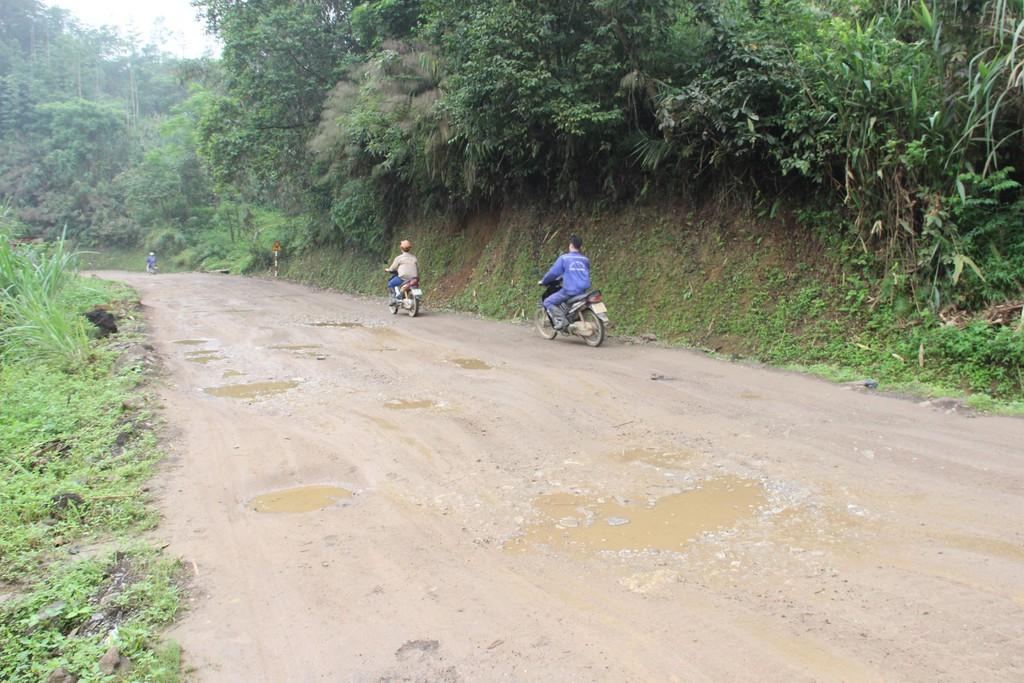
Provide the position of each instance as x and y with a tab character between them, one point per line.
183	33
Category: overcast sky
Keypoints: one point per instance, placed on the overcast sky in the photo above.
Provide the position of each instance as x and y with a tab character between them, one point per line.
186	35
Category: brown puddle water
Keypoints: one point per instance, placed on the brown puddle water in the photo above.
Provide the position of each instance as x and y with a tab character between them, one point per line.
232	373
471	364
301	499
582	523
295	347
335	323
409	405
203	357
654	456
190	342
252	390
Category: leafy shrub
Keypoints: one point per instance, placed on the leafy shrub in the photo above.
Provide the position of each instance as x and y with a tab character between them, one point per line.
37	322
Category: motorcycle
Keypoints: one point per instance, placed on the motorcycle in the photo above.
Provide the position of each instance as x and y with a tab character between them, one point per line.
406	296
586	313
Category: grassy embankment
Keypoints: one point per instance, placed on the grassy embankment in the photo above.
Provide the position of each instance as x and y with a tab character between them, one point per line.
76	448
120	258
722	280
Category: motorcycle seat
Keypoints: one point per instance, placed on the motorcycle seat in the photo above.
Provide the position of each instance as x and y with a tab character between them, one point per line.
578	297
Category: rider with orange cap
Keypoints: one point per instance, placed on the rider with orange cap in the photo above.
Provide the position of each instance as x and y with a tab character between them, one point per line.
405	265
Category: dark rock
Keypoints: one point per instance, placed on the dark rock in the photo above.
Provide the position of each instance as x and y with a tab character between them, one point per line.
648	337
103	320
113	662
64	500
61	675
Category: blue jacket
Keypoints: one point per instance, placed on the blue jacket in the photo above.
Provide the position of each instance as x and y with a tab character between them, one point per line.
574	269
151	260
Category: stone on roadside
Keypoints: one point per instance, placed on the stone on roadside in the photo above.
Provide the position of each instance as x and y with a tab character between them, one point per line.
617	521
113	662
61	675
104	321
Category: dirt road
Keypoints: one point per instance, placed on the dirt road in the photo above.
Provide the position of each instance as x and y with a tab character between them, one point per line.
510	508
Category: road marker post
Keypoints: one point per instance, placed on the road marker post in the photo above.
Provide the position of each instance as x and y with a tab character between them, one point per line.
276	249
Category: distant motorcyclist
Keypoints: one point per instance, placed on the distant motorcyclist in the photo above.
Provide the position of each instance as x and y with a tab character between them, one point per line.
574	270
406	267
151	263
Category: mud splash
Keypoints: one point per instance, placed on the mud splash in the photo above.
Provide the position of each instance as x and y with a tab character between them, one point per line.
190	342
301	499
471	364
203	357
410	405
588	524
656	456
336	323
251	390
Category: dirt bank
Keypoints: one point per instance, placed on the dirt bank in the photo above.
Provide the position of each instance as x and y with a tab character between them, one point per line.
551	512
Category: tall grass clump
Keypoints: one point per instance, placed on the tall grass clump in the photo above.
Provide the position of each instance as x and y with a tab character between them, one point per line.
38	319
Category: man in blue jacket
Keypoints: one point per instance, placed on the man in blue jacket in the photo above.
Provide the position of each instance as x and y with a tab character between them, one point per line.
574	269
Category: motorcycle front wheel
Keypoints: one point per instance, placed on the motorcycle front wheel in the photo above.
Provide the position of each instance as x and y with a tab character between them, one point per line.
543	324
596	337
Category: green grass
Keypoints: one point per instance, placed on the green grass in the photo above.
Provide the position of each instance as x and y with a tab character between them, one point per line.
127	259
76	447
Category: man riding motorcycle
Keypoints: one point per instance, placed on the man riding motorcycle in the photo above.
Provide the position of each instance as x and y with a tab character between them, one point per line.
574	270
405	266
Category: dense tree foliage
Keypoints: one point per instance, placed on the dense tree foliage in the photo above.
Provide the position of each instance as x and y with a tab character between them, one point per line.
75	108
904	112
902	117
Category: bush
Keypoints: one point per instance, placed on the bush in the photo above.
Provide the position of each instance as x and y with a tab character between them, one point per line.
38	321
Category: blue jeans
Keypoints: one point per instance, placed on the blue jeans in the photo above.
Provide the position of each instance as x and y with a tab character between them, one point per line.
392	283
559	297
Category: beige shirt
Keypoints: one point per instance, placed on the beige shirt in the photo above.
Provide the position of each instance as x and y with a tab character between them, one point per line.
406	265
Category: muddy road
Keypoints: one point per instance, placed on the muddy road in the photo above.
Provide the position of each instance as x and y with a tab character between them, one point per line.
367	497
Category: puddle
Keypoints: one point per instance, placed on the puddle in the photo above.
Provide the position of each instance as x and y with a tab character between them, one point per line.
203	357
751	395
252	390
190	342
295	347
336	323
410	405
302	499
582	523
655	456
471	364
232	373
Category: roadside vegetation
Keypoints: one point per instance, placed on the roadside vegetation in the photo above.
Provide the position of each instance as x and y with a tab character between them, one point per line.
76	448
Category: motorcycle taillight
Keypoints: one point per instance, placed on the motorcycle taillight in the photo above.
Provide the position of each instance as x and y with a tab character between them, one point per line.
594	298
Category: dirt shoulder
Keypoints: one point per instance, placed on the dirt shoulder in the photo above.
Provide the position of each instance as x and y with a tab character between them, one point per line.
543	511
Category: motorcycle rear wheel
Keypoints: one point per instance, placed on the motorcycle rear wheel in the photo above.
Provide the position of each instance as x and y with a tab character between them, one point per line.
414	308
595	339
543	324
